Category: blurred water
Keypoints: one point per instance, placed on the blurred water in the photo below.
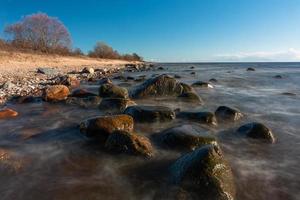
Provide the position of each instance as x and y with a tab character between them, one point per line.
50	159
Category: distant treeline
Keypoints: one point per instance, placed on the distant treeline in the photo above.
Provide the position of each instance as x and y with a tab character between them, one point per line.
41	33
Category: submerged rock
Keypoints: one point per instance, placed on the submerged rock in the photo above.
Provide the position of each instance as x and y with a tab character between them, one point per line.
202	84
86	102
101	127
115	104
82	93
213	80
56	93
250	69
257	131
162	85
289	94
205	174
184	137
190	97
129	143
7	113
150	113
278	77
224	113
112	91
200	117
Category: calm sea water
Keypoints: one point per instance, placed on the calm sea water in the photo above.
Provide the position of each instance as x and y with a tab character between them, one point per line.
49	159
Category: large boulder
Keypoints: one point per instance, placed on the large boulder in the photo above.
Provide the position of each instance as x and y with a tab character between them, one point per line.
224	113
101	127
115	105
129	143
200	117
56	93
150	113
184	137
81	93
257	131
162	85
190	97
112	91
205	174
7	113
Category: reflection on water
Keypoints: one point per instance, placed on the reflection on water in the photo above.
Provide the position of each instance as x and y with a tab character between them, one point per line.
43	155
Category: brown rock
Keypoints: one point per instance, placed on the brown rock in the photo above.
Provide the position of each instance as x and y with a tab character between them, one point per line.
7	113
56	93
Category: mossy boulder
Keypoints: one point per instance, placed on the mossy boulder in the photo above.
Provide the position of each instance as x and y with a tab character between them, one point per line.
204	174
56	93
224	113
190	97
115	105
257	131
150	113
184	137
129	143
112	91
200	117
101	127
162	85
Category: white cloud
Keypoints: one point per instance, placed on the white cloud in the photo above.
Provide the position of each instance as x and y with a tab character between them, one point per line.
289	55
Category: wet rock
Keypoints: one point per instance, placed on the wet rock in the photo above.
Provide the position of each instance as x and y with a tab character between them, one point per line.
205	174
56	93
250	69
87	102
26	99
288	93
160	68
184	137
104	81
278	77
257	131
10	162
130	78
193	73
88	70
177	76
120	77
150	113
202	84
101	127
70	81
213	80
126	85
200	117
190	97
7	113
47	71
162	85
82	93
112	91
224	113
129	143
192	67
115	105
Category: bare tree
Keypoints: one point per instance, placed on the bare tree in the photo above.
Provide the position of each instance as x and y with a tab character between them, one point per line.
40	32
102	50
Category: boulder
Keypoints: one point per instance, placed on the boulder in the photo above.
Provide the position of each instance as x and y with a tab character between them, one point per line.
204	174
101	127
184	137
68	80
7	113
115	105
250	69
129	143
257	131
56	93
213	80
200	117
47	71
190	97
82	93
224	113
150	113
112	91
162	85
202	84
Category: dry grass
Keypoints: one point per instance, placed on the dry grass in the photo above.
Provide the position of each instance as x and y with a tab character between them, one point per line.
14	62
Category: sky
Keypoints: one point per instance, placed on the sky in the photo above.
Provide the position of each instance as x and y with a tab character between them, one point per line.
176	30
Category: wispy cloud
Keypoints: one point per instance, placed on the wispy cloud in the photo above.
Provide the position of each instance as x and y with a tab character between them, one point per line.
289	55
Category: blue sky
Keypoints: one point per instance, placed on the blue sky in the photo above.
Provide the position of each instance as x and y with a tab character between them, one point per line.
176	30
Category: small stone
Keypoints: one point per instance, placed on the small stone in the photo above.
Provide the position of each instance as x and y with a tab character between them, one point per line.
250	69
224	113
7	113
47	71
56	93
88	70
202	84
